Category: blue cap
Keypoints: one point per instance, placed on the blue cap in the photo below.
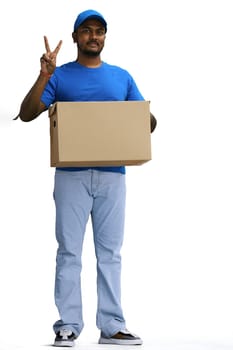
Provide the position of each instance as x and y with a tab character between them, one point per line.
89	14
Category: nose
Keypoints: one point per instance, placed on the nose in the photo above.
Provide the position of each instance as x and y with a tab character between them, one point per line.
93	34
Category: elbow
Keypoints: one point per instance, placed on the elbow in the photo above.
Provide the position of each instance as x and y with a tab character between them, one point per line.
22	117
25	118
27	113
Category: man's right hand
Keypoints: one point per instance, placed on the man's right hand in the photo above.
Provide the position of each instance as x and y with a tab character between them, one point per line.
32	106
48	59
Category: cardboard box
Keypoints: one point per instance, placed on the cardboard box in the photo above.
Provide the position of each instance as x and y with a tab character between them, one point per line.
100	133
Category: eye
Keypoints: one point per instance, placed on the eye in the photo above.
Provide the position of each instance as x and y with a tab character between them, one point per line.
85	30
100	32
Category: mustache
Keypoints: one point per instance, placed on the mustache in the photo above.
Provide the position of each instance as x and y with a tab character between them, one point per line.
93	42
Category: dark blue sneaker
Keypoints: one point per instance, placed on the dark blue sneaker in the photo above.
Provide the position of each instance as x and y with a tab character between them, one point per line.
65	337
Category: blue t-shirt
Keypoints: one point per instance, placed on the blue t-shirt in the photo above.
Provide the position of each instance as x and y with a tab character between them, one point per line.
75	82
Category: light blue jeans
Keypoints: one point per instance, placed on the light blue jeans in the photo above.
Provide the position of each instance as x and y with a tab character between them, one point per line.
77	195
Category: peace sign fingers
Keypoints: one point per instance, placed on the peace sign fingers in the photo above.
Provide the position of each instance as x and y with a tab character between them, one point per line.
46	43
57	48
48	60
47	47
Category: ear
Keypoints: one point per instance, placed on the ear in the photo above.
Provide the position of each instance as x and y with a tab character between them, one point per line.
74	36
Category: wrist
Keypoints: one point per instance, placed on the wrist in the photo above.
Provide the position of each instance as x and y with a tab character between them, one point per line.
45	74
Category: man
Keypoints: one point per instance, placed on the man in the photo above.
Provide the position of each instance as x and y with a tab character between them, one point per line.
80	192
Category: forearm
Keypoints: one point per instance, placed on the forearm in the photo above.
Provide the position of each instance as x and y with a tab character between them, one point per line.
32	106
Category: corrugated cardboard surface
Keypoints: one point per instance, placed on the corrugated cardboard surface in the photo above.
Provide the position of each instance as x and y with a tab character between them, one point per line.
100	133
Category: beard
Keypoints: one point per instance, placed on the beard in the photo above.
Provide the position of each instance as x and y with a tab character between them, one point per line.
90	53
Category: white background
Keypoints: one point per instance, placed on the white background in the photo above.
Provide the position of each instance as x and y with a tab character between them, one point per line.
177	257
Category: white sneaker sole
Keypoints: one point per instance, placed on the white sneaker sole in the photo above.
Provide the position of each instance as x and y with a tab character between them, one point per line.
120	341
65	343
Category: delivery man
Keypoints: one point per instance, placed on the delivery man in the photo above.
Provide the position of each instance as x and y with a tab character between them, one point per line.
98	192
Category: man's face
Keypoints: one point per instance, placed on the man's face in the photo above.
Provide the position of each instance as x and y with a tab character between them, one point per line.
90	37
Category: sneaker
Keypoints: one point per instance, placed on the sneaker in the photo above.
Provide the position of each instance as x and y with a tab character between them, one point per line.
65	337
123	337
